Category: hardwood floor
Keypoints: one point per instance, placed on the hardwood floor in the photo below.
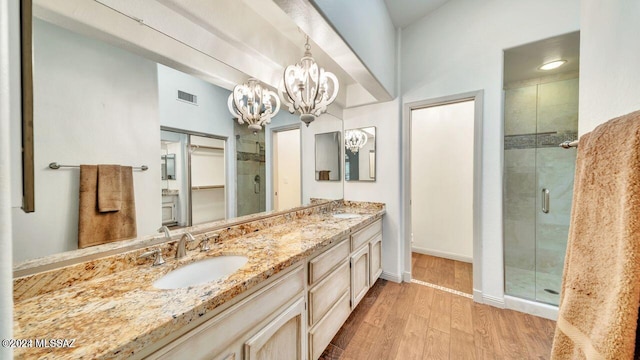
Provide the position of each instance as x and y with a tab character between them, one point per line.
451	274
411	321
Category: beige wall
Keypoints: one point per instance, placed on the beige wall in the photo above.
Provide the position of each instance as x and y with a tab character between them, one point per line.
442	180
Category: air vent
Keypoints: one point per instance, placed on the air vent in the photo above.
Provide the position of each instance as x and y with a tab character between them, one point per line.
190	98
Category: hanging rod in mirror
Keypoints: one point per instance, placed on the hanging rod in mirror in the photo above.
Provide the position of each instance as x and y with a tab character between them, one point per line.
56	166
569	144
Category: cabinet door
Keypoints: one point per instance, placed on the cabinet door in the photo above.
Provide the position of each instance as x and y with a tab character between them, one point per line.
359	275
281	338
375	252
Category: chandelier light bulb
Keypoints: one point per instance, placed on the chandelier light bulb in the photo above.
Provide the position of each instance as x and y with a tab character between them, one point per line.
308	88
354	140
252	104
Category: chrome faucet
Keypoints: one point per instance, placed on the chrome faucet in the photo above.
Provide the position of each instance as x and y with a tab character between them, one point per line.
182	245
167	233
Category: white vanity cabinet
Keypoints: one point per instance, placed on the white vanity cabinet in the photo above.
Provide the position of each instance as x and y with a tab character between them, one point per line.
293	316
366	260
268	324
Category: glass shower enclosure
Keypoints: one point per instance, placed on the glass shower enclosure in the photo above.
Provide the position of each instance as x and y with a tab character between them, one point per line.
251	171
538	184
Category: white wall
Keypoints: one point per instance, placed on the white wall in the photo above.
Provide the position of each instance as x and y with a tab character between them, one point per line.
609	61
386	118
311	188
286	160
442	180
458	49
84	115
358	22
211	116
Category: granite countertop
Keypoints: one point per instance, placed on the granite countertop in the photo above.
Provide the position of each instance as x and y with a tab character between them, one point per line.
117	315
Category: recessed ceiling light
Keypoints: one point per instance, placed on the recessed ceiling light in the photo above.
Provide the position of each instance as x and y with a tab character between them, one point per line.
552	65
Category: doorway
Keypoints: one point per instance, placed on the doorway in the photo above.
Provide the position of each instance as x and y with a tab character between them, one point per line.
193	178
442	201
540	113
287	189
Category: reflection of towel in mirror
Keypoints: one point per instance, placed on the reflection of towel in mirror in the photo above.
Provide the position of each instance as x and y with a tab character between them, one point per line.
109	188
95	227
598	310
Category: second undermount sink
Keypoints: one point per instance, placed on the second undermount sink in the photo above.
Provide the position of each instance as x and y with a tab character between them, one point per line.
346	216
200	272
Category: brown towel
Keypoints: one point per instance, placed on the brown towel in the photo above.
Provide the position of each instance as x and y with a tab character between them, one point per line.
109	188
95	227
601	282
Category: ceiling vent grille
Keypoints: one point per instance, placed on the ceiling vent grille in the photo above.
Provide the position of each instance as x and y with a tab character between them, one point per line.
186	97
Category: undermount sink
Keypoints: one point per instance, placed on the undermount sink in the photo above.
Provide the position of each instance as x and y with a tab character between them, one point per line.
200	272
346	216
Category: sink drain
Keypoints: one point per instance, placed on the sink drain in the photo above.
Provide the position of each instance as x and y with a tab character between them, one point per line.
551	291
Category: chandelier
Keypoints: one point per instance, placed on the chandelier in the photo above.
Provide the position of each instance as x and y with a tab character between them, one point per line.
252	104
354	140
307	88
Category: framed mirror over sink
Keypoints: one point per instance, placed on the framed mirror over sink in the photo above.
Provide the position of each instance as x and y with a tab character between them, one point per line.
360	154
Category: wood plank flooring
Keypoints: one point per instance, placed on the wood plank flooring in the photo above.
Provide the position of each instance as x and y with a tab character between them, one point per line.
411	321
451	274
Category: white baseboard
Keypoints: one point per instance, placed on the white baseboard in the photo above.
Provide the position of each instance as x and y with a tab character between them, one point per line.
531	307
477	296
493	301
442	254
391	277
406	276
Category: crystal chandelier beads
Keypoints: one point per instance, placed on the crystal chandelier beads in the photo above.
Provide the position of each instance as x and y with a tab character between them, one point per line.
252	104
308	88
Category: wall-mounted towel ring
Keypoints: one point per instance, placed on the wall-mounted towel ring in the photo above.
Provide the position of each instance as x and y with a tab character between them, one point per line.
56	166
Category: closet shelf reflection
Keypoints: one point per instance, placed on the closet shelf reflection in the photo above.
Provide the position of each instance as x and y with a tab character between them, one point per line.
207	187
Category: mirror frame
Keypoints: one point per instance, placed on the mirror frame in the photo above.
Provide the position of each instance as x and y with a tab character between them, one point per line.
26	53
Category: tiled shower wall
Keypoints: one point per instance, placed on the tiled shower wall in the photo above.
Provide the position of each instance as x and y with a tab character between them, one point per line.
538	118
250	157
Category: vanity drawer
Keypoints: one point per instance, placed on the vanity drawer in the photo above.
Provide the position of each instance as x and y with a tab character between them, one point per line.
325	330
323	296
363	236
323	263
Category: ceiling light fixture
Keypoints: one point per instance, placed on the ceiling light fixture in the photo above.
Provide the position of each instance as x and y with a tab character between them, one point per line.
252	104
308	88
354	140
552	65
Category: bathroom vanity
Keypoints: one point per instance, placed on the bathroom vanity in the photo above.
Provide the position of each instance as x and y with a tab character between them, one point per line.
307	269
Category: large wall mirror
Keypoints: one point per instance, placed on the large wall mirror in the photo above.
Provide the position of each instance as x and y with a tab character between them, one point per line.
328	156
100	99
360	154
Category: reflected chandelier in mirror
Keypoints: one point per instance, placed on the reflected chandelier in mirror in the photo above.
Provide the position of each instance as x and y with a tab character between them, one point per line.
360	154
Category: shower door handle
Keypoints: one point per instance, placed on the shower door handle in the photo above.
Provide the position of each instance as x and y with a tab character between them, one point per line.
545	201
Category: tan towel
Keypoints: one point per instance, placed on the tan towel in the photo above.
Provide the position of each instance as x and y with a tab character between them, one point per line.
95	227
109	188
601	282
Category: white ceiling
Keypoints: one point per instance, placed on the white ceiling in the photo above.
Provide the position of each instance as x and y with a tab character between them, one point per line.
224	42
406	12
522	62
